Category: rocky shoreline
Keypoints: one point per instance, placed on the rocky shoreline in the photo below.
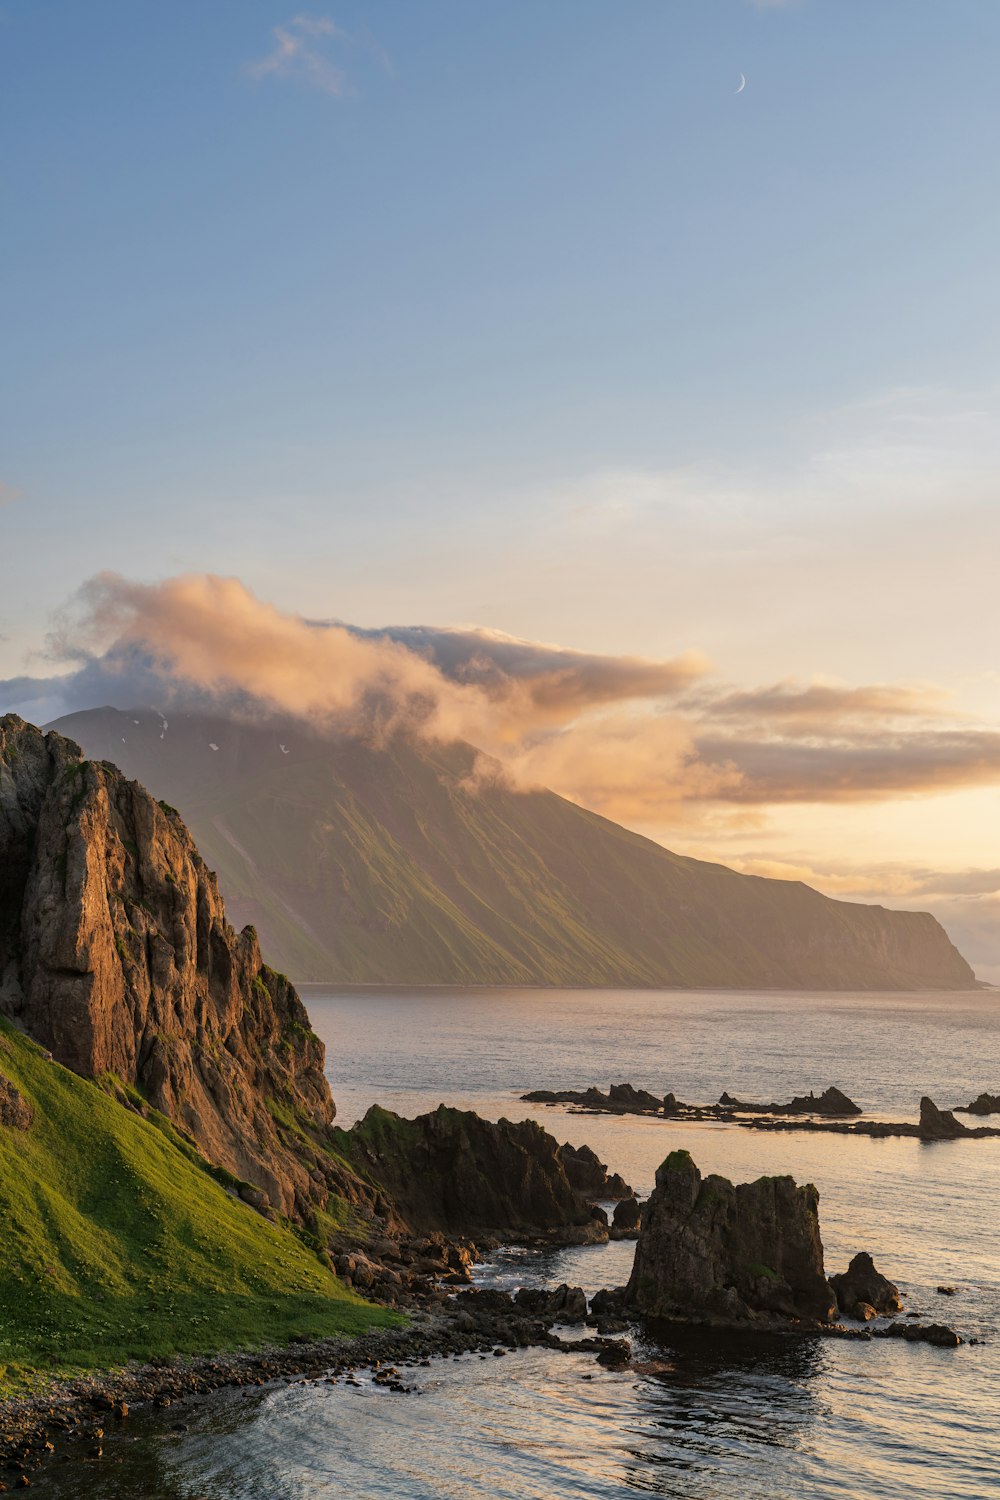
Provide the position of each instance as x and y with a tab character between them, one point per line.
71	1420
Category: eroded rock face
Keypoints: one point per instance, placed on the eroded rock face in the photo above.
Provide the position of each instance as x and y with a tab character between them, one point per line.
861	1290
589	1175
452	1172
627	1219
938	1124
732	1254
115	954
983	1104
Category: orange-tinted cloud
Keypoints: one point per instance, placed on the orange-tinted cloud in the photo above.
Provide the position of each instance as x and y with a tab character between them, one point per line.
635	739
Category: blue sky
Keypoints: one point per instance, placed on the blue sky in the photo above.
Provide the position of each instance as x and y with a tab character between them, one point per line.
518	315
528	241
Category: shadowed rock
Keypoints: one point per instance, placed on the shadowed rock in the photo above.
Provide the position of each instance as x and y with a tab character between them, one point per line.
832	1103
452	1172
588	1174
938	1124
983	1104
731	1254
626	1221
621	1099
862	1287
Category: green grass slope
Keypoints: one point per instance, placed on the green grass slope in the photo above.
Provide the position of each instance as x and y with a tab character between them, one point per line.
116	1243
385	865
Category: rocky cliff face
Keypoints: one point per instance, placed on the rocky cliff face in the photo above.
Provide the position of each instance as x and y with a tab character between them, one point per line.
451	1172
115	953
737	1255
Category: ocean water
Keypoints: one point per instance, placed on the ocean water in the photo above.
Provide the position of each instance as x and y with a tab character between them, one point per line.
713	1417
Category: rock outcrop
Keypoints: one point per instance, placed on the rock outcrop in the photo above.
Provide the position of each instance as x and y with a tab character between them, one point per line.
983	1104
621	1099
832	1103
735	1255
589	1176
863	1293
938	1124
626	1220
452	1172
116	955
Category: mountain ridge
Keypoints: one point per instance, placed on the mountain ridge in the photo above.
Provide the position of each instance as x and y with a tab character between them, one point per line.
399	864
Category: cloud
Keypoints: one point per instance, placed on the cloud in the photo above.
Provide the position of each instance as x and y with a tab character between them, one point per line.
864	767
211	639
636	739
301	50
803	707
554	678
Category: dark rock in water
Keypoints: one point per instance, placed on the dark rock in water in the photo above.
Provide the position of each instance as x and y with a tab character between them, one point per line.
452	1172
983	1104
939	1124
832	1103
947	1291
608	1302
621	1099
628	1215
862	1287
15	1111
616	1354
562	1304
588	1174
938	1334
733	1255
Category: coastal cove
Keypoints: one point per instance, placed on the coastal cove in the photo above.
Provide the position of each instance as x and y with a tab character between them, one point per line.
763	1416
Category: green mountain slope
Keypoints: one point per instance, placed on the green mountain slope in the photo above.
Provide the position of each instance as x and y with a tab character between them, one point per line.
117	1242
390	865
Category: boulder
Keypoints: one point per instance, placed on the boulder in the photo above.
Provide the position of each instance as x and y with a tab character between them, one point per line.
709	1250
561	1304
862	1287
938	1124
938	1334
627	1217
609	1302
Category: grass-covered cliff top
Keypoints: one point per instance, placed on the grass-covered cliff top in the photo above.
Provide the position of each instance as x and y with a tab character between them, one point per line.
117	1244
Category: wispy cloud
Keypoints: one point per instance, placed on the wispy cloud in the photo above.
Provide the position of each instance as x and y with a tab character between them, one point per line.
305	50
302	50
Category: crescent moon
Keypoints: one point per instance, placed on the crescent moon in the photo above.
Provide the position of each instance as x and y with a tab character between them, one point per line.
743	84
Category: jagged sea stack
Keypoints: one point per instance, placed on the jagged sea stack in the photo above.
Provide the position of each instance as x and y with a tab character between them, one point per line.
743	1255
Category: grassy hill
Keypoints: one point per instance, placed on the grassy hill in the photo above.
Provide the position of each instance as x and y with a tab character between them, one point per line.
117	1242
388	865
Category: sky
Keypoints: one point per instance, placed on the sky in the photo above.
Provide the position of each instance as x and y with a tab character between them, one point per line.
518	323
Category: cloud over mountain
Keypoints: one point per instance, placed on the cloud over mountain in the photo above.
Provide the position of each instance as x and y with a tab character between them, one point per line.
628	736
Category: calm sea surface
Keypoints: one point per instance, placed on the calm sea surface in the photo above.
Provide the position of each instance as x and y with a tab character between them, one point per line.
745	1418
